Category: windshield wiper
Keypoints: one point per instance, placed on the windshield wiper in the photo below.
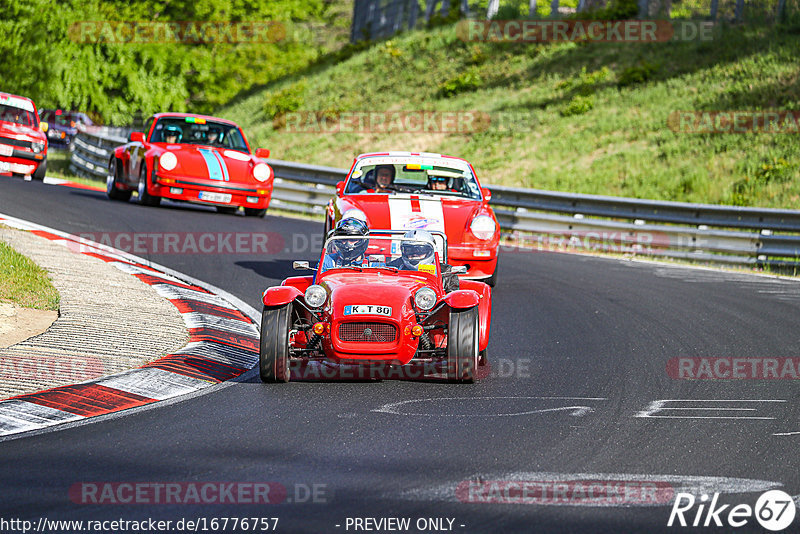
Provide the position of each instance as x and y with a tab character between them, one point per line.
435	192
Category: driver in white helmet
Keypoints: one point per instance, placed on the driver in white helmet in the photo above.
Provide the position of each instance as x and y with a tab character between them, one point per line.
418	248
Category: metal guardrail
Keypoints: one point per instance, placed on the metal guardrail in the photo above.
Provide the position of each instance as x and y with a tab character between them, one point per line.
552	220
92	149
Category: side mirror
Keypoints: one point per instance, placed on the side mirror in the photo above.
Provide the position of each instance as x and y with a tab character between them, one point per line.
458	269
136	137
487	194
262	153
43	126
340	188
301	266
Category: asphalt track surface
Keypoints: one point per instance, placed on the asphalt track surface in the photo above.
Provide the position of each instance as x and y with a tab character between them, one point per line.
579	348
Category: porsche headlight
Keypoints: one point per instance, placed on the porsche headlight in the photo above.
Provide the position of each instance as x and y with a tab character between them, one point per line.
355	213
315	296
168	161
261	172
37	147
483	227
425	299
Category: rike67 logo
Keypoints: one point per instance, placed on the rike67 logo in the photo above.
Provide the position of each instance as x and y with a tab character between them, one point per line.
774	510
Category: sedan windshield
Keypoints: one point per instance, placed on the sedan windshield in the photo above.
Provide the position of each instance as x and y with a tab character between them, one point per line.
198	131
17	115
434	176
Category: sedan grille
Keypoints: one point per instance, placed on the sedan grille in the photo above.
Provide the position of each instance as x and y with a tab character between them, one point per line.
367	332
14	142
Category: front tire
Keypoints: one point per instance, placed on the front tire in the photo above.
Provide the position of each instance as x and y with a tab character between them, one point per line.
111	183
462	346
255	212
273	360
145	198
41	170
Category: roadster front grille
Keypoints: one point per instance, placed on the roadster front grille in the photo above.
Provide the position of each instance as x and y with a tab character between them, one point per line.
367	332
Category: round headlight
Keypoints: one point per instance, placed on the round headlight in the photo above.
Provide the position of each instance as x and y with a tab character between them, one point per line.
315	296
355	213
483	227
262	172
37	147
425	299
168	161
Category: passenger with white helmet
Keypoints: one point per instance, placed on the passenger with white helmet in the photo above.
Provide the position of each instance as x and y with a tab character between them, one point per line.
418	248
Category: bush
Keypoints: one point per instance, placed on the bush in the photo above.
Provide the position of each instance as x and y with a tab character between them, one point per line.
468	80
578	106
586	83
637	74
285	101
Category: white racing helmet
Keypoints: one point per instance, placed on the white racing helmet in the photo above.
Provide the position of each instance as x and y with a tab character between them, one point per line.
420	250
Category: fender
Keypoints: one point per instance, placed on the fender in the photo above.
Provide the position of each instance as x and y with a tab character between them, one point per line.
280	295
462	299
299	282
484	309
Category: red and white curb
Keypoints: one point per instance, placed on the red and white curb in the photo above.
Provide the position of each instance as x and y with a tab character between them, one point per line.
223	344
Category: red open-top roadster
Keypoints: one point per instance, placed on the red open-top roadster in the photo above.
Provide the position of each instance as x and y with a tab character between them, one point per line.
377	311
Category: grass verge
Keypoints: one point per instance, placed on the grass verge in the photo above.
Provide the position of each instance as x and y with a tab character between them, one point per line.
24	283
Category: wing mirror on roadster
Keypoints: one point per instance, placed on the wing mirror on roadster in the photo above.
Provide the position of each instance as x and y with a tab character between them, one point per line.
136	137
487	194
458	269
262	153
301	266
340	188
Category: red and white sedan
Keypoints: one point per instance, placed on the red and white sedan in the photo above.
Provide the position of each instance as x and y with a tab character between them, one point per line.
23	143
192	158
404	191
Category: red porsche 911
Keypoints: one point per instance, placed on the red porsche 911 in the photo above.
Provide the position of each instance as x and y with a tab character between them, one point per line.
406	191
191	158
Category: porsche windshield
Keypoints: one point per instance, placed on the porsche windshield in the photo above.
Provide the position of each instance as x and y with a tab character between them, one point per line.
433	176
17	115
198	131
387	252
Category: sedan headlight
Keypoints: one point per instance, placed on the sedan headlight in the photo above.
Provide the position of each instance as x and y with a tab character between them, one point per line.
261	172
425	299
483	227
315	296
168	161
355	213
37	147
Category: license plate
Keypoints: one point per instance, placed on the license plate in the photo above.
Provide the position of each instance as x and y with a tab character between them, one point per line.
367	309
223	198
5	166
6	150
